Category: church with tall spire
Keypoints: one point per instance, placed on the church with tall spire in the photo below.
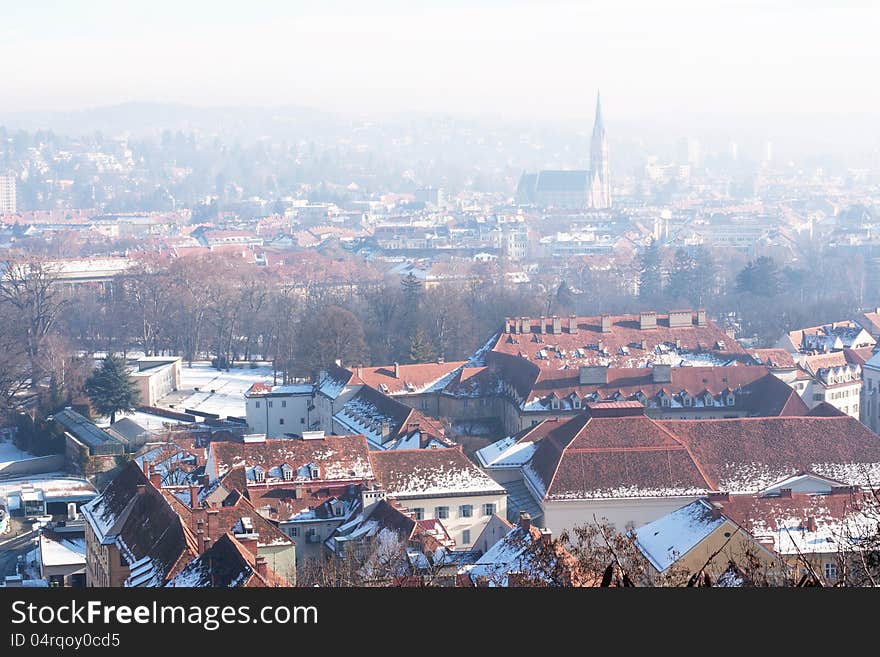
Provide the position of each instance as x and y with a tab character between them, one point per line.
573	188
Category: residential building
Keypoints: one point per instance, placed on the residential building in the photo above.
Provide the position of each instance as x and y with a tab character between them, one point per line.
230	562
155	377
278	411
631	469
7	195
133	536
699	537
442	484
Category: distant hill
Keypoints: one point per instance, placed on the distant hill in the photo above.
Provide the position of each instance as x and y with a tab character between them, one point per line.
138	118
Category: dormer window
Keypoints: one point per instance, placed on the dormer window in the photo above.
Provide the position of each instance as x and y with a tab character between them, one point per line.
686	400
259	474
554	403
576	402
731	399
314	471
286	472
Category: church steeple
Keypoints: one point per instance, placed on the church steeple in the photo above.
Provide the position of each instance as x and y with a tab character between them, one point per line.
600	192
598	125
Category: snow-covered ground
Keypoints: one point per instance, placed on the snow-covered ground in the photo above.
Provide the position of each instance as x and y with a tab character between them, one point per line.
148	421
219	391
10	453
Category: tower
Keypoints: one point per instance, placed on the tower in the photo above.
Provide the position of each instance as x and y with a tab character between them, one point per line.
600	183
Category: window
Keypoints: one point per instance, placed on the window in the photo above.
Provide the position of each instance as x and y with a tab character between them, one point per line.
488	509
817	396
269	403
302	420
830	570
259	474
466	537
293	532
465	511
283	403
257	404
419	513
441	512
281	420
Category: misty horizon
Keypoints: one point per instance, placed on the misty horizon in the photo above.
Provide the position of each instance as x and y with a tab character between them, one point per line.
521	61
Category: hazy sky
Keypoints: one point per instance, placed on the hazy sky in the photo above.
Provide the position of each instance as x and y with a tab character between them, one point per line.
520	59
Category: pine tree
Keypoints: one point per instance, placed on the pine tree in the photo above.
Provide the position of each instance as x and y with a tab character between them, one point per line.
651	272
420	348
110	388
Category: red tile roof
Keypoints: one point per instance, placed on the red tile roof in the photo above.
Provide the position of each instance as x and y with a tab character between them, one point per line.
587	457
615	457
340	458
625	335
413	473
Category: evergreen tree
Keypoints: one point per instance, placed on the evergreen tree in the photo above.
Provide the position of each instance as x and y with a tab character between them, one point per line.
420	348
110	388
564	298
693	276
760	277
412	288
651	272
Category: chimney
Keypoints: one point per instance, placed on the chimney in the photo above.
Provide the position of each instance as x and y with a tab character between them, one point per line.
717	510
525	520
249	542
810	524
543	324
593	374
507	324
546	536
525	325
396	371
785	492
370	497
261	567
701	317
572	324
557	325
606	323
843	490
194	497
719	497
386	431
647	320
298	492
146	468
142	489
155	478
661	373
680	318
206	479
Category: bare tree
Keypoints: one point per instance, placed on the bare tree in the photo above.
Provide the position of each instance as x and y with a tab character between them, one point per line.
29	287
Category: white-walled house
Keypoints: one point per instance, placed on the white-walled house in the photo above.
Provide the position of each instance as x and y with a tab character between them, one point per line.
442	484
276	411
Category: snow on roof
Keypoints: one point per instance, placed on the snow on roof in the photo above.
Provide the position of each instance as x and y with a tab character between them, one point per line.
665	540
62	551
506	453
417	473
